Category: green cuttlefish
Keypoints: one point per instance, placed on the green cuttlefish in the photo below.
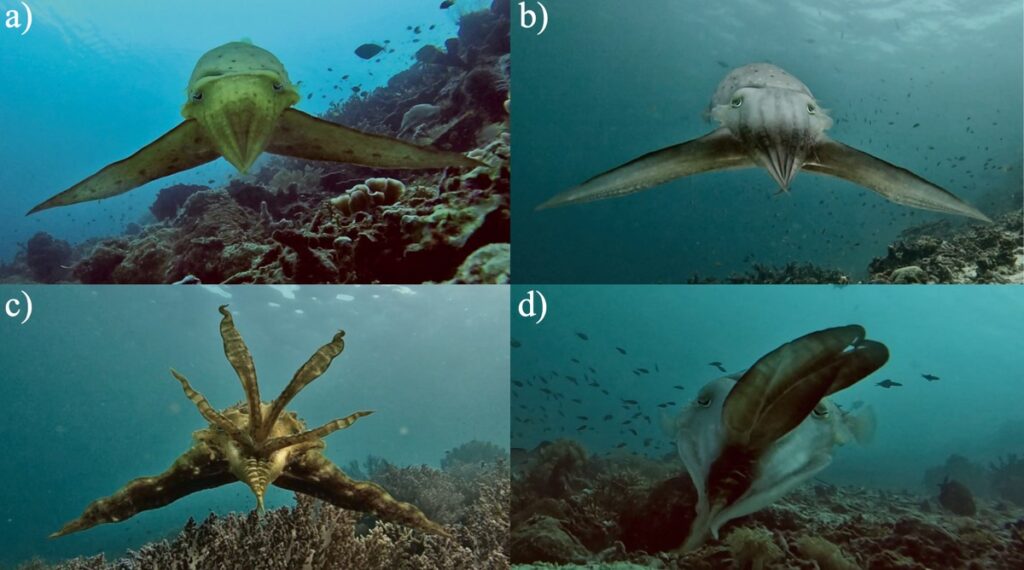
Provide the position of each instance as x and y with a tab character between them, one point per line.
748	439
769	119
240	105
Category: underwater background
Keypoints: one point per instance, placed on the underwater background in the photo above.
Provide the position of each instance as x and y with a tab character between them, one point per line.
968	336
593	384
932	86
93	82
90	403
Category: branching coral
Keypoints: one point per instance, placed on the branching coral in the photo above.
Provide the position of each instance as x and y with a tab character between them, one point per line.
1007	477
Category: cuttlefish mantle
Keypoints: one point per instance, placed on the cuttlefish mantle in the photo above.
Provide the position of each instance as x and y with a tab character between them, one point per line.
239	105
749	439
768	118
271	447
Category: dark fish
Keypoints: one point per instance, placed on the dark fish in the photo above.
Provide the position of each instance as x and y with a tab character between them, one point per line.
621	350
367	51
887	384
630	402
517	383
607	417
717	365
583	336
577	400
916	125
581	428
516	343
678	387
620	446
930	377
344	77
643	370
575	360
416	30
447	4
633	431
722	64
584	418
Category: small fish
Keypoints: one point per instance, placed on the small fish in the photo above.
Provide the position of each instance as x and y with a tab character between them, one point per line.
621	350
620	446
517	383
576	360
630	402
584	418
516	343
717	365
344	77
887	384
582	335
367	51
678	387
581	428
643	370
607	417
916	125
930	377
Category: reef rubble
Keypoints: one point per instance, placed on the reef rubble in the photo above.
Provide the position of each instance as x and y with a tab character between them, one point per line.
572	509
289	222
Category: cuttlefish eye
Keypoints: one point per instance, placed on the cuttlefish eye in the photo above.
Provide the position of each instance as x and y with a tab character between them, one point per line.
736	101
278	86
820	411
197	96
811	108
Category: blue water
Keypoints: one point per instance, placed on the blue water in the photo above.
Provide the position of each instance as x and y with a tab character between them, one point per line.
89	403
92	82
610	81
968	336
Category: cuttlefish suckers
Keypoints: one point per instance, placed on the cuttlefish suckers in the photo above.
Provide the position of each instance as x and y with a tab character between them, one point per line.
238	106
768	118
748	439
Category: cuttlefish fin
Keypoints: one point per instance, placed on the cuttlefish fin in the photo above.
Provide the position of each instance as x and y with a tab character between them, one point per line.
182	148
785	385
718	150
198	469
313	474
307	373
240	358
894	183
305	136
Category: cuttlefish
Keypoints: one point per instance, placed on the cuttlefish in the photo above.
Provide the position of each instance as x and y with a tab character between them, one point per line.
748	439
239	105
271	447
768	118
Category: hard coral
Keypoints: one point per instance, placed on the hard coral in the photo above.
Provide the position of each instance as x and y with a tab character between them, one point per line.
45	256
752	548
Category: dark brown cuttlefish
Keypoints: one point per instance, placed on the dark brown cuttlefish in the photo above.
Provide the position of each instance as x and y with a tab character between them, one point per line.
272	447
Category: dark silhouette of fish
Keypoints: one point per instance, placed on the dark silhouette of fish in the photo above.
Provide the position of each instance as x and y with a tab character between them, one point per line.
930	377
717	365
582	336
621	350
516	343
887	384
678	387
367	51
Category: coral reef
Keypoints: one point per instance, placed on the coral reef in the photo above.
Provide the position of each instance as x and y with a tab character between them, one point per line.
792	273
1007	478
956	498
46	257
943	253
316	535
616	510
297	221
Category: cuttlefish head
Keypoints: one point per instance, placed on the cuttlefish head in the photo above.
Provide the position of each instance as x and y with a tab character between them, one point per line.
250	461
237	93
779	126
747	440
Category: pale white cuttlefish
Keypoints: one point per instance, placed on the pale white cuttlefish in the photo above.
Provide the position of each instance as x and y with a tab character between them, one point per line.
749	439
768	118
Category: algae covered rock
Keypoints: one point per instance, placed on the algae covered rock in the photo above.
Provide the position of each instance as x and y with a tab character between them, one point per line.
542	539
956	498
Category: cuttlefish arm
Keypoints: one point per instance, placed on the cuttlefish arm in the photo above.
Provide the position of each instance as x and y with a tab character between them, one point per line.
784	386
313	474
896	184
198	469
182	148
718	150
304	136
